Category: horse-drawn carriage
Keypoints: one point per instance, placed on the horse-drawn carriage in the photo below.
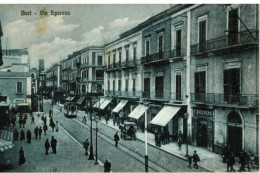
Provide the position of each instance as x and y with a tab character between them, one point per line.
128	130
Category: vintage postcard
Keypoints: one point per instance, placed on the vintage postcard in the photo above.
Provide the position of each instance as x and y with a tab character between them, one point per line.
129	87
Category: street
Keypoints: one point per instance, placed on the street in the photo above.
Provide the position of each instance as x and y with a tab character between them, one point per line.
129	156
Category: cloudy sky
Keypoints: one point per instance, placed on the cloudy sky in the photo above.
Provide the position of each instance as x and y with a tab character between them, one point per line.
55	37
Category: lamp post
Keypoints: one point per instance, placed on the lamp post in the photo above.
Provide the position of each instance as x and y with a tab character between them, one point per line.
96	120
91	156
145	134
52	96
186	116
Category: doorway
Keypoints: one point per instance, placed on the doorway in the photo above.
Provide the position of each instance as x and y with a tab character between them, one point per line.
202	137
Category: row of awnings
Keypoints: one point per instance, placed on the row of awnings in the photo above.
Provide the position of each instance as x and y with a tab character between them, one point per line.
102	103
161	119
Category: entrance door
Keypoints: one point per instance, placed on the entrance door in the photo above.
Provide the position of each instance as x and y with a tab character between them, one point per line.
202	137
234	132
235	138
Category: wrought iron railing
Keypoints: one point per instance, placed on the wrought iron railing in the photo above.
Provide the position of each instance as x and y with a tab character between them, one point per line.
232	39
163	55
249	100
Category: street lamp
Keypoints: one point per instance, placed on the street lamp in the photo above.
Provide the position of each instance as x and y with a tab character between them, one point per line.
96	120
91	156
186	116
146	146
52	96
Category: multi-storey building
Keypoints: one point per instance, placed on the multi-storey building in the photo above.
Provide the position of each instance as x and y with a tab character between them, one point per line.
198	74
224	76
53	77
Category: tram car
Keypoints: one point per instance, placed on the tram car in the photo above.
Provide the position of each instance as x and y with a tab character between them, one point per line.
21	106
70	110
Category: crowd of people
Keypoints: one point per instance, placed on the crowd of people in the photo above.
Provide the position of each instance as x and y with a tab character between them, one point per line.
161	137
22	120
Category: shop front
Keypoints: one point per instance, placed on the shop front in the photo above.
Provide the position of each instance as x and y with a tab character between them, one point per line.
203	128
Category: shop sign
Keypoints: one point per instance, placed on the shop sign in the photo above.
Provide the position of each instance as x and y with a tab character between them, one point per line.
203	112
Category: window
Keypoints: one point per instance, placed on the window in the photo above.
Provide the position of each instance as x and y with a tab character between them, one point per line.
108	85
147	47
99	75
126	85
134	52
133	84
108	62
19	87
233	27
114	86
93	58
119	85
147	87
178	87
114	59
126	54
200	86
120	57
159	87
231	85
83	88
178	42
99	60
202	35
160	45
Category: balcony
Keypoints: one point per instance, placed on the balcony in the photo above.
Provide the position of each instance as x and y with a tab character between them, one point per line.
241	100
162	56
230	42
137	94
99	78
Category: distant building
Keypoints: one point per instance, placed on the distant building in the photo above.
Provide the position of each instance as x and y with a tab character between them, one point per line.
15	76
41	65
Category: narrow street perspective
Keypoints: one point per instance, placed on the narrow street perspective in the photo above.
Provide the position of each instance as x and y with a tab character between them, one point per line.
129	87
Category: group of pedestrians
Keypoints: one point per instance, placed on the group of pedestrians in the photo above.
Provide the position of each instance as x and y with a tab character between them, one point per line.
229	158
37	134
161	137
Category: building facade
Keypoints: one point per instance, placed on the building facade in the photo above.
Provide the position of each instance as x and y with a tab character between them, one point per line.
196	75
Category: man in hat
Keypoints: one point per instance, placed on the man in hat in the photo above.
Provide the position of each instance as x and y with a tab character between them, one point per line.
116	139
107	166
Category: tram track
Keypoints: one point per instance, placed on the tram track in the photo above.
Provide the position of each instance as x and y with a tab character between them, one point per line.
153	166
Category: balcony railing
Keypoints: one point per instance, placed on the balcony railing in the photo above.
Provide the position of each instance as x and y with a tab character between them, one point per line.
164	55
99	78
232	39
167	96
222	99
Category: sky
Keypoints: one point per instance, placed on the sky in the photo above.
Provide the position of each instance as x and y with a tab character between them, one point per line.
53	38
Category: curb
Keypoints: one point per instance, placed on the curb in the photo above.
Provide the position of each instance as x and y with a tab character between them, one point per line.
176	155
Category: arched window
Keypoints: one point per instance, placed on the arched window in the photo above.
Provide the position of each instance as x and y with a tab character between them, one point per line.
234	117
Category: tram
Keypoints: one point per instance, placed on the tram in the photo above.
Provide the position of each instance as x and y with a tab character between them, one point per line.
70	110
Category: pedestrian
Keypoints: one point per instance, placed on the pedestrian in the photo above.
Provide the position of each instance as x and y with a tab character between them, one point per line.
163	138
159	138
15	134
47	146
116	139
44	120
22	159
179	142
230	162
45	128
190	161
32	121
114	121
167	135
50	112
86	145
24	120
57	126
107	166
29	136
196	159
107	118
84	120
36	132
225	153
40	132
242	161
13	120
20	121
22	135
247	161
53	144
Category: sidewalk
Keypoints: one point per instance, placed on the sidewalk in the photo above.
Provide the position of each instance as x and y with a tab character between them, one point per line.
69	157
